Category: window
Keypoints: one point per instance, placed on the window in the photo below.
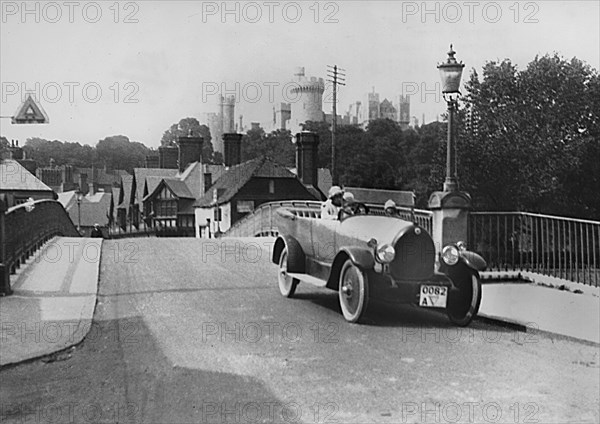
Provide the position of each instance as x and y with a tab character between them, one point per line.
271	186
245	206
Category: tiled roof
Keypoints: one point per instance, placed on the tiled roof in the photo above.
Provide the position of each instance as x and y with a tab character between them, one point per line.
140	175
94	208
237	176
126	183
179	188
13	176
67	198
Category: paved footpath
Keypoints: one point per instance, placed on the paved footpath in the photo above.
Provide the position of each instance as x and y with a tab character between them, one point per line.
53	301
543	308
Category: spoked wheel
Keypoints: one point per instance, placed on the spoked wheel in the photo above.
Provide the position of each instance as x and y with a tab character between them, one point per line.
463	304
287	284
353	292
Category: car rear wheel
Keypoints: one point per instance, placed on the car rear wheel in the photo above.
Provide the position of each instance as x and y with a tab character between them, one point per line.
287	284
353	292
463	304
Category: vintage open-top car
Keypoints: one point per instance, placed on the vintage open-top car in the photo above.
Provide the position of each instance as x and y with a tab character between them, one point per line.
366	257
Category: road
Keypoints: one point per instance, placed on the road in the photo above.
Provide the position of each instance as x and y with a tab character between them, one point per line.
196	331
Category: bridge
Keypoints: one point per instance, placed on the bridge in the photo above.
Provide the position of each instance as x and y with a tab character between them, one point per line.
195	330
515	244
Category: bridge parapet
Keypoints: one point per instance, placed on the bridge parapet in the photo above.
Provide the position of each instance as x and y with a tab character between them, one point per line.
565	248
24	229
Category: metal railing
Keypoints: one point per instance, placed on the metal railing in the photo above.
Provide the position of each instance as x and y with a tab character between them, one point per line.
24	229
560	247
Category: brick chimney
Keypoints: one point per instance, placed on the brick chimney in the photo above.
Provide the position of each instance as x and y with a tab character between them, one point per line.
232	146
168	157
83	184
190	150
152	161
16	152
307	148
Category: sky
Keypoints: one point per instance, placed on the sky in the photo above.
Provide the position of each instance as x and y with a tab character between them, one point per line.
134	68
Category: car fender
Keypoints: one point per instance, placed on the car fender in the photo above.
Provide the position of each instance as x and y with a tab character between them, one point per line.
473	260
361	257
296	259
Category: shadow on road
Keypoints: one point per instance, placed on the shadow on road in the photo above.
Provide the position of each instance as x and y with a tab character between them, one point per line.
118	374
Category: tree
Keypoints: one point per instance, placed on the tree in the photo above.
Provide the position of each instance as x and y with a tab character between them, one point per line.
183	129
117	152
277	145
526	135
62	153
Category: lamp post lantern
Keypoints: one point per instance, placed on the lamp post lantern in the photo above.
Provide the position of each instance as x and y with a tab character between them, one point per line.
451	73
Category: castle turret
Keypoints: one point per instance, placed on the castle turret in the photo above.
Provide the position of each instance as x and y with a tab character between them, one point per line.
306	98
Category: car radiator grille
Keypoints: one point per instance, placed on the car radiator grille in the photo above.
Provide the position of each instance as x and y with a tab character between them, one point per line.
415	256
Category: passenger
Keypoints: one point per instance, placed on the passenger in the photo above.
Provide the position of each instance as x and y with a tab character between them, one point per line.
332	206
390	208
349	204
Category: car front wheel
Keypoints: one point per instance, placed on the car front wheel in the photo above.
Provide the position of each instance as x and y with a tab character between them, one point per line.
353	292
287	284
463	304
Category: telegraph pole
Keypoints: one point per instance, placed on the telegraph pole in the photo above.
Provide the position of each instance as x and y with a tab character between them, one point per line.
336	77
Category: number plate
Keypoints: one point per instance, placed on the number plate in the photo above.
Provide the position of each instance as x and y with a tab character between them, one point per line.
433	296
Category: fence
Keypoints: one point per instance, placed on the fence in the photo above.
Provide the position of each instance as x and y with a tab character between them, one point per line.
560	247
23	230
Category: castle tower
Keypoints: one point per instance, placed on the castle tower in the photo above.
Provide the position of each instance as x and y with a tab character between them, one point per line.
306	98
221	122
404	111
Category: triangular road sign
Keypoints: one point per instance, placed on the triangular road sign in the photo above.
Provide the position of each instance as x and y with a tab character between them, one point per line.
30	113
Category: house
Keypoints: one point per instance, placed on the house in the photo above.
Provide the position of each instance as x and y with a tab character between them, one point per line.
243	187
17	184
88	210
164	197
125	220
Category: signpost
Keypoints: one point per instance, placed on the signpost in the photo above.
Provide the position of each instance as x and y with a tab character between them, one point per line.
30	112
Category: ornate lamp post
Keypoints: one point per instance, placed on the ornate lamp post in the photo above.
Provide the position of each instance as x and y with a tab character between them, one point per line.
451	73
79	195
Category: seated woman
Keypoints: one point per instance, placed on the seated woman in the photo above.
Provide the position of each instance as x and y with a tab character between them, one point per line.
330	209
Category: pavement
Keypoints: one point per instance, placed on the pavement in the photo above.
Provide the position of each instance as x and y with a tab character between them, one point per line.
53	300
55	296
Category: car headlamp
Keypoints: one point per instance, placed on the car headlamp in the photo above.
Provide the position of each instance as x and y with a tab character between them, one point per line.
450	255
385	253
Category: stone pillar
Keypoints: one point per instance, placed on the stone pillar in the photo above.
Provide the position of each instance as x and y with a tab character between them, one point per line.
450	217
232	154
307	150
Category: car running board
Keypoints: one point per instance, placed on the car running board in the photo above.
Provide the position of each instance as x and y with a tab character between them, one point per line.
308	279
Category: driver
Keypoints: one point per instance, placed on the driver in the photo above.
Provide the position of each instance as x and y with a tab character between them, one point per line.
349	204
332	206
